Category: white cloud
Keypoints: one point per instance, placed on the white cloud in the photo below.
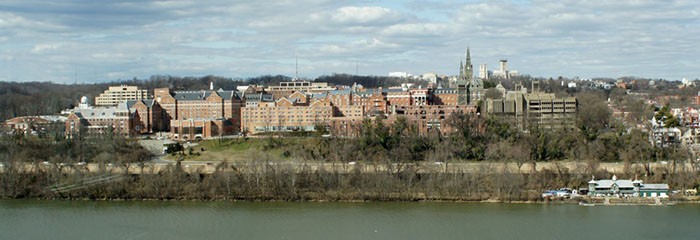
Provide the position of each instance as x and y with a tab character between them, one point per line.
365	15
235	38
42	48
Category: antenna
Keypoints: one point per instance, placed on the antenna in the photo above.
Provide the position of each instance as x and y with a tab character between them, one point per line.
76	76
296	73
356	68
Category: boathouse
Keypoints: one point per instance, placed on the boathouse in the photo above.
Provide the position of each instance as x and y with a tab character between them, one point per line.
626	188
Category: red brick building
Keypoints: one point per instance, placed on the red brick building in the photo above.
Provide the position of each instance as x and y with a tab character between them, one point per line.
150	113
200	114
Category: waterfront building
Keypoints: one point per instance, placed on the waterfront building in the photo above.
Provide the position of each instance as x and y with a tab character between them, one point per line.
622	188
117	94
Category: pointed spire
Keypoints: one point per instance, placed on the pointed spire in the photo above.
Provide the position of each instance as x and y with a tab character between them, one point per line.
469	57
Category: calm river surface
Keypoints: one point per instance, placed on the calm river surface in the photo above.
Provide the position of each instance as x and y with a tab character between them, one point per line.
39	219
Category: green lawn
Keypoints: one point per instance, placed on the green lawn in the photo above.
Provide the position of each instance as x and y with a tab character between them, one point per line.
237	150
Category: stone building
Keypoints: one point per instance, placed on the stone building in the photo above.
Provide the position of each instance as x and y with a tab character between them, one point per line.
470	90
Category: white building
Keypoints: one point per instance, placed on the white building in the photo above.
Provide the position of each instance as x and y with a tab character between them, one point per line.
400	74
503	71
117	94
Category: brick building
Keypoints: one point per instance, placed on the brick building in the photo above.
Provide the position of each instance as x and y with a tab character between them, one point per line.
89	120
200	114
150	113
284	115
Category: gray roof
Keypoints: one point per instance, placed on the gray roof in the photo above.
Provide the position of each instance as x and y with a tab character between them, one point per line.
339	92
608	183
101	112
191	95
203	94
655	186
232	94
259	97
318	95
387	90
148	102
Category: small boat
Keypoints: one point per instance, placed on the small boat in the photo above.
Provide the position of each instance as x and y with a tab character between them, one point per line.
586	204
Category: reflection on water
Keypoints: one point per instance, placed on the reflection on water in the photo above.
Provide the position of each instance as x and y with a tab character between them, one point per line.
28	219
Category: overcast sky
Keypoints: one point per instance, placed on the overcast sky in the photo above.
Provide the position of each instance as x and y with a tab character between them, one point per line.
121	39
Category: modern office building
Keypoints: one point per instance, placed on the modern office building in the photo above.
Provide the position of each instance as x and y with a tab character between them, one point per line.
542	109
117	94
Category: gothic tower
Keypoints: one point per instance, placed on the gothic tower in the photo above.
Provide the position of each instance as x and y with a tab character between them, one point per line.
470	90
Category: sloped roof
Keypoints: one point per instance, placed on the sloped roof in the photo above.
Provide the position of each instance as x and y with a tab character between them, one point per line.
101	112
318	95
608	183
339	92
655	186
228	94
191	95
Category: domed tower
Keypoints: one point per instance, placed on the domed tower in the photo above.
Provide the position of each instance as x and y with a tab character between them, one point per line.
84	104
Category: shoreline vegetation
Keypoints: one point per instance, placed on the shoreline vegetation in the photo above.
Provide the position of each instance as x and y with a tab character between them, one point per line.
311	168
297	169
264	182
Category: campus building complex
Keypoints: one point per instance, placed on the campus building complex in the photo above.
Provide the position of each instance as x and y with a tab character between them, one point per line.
299	106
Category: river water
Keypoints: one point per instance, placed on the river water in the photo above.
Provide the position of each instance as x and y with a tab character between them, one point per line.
41	219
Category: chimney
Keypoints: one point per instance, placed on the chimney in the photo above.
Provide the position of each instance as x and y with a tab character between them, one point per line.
211	86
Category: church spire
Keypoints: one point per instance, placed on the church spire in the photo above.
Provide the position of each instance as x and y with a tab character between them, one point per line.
467	71
469	58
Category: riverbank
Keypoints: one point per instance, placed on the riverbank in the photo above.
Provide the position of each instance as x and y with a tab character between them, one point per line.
263	182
